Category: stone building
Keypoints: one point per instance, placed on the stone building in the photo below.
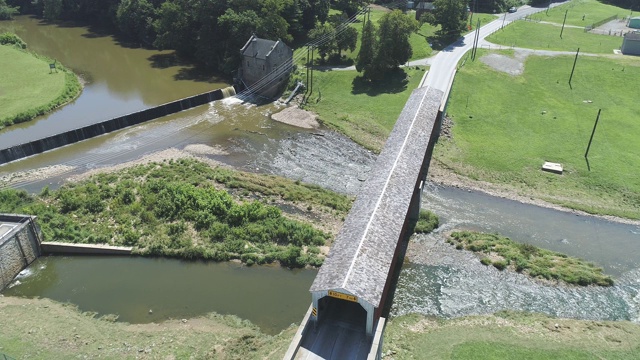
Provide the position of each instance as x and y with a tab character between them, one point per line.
266	65
631	43
19	245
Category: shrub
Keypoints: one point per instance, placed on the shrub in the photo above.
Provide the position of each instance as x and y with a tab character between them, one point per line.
500	264
427	222
12	39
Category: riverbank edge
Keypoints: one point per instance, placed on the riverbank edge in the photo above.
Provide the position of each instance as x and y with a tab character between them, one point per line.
442	175
73	87
50	329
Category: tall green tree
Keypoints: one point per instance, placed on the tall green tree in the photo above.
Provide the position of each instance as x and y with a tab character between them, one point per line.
7	12
346	39
273	24
451	15
52	9
237	28
324	34
350	7
367	47
394	48
176	27
135	19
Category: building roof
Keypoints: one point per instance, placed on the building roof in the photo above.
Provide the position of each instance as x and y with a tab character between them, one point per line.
635	35
258	48
362	254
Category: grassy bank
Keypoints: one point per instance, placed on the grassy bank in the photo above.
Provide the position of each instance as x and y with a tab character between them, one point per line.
580	13
49	330
43	329
509	335
188	209
366	112
502	252
28	87
532	35
505	127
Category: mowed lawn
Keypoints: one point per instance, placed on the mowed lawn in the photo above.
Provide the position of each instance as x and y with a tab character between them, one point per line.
26	82
365	112
592	10
506	126
547	37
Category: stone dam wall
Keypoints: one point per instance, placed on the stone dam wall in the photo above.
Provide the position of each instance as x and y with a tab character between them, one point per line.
19	247
73	136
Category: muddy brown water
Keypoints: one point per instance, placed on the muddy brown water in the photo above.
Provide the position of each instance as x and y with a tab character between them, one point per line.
144	290
438	280
120	78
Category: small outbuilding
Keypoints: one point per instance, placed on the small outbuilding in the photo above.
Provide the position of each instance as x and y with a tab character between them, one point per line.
266	65
631	43
634	22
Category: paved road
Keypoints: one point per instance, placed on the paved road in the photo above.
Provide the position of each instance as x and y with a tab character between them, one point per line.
444	63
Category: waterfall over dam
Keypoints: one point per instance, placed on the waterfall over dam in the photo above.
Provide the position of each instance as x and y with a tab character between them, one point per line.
34	147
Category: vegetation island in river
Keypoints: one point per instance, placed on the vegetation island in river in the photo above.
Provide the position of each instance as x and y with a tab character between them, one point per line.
502	252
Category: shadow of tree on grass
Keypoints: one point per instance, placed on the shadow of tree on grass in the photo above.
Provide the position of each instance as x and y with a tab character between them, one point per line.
393	82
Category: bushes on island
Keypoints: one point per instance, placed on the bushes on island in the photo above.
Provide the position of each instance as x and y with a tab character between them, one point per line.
502	252
180	209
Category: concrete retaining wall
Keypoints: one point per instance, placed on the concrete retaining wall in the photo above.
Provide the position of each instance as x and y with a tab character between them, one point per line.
84	249
72	136
18	248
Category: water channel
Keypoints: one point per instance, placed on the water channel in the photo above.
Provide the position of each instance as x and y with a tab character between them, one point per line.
438	280
119	79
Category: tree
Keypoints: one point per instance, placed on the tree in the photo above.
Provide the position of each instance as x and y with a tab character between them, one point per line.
314	11
7	12
451	15
237	29
346	39
273	25
176	27
393	47
52	9
323	34
350	7
135	19
367	47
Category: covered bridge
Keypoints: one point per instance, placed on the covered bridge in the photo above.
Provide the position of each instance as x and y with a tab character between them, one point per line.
362	259
631	43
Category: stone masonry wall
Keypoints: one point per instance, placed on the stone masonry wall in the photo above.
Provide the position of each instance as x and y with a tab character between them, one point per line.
12	261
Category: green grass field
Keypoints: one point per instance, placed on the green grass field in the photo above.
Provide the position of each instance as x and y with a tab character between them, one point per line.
592	10
547	37
364	112
28	88
508	335
26	82
506	126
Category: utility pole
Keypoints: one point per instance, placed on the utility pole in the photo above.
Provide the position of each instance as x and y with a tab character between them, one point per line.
574	67
503	20
586	154
564	21
475	42
311	90
306	90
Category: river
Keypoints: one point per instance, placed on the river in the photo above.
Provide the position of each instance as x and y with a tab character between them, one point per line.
438	280
119	79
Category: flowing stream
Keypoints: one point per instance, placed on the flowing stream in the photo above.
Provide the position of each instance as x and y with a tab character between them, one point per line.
438	280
